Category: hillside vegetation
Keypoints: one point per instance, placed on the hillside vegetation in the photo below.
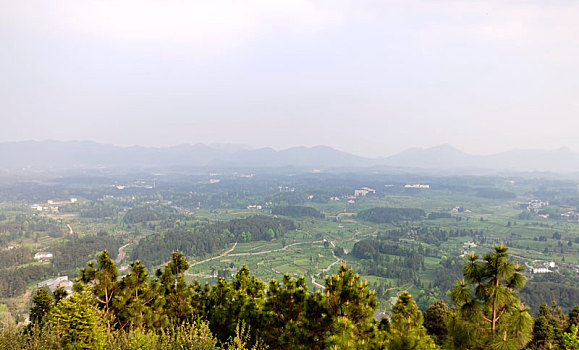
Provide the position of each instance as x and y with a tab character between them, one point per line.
138	311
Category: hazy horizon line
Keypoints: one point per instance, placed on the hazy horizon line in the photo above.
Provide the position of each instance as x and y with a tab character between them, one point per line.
245	146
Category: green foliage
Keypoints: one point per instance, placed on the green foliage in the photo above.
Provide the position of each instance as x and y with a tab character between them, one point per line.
240	300
138	303
144	214
570	340
376	254
101	281
42	303
77	321
77	251
438	215
488	304
15	257
548	327
13	281
435	321
44	337
202	238
297	211
388	215
495	193
165	312
284	313
542	290
242	339
97	210
406	328
350	305
175	290
573	318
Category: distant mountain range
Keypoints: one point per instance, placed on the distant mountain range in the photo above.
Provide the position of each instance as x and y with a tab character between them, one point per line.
56	155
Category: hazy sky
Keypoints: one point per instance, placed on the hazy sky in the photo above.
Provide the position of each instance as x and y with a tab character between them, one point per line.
368	77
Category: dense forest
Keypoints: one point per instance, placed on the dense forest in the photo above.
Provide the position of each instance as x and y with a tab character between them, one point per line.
139	311
388	215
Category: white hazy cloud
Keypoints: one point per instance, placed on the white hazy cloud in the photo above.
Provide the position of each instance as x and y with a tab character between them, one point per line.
370	77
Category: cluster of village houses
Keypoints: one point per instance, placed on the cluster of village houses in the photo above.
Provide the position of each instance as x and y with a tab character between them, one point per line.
58	282
51	206
53	283
358	193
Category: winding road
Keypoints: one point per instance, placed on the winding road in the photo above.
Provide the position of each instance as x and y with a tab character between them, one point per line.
275	250
215	257
121	254
285	248
321	272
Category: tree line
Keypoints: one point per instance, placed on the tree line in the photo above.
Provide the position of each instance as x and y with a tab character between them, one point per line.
203	238
382	215
297	211
139	311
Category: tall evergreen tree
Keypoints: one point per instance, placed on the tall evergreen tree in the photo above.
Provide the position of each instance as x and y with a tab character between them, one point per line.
573	318
406	329
77	318
488	303
176	291
138	302
42	303
548	328
435	320
232	302
102	281
284	313
350	305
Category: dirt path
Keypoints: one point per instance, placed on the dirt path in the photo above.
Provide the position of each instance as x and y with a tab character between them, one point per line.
316	284
275	250
332	264
121	255
327	269
215	257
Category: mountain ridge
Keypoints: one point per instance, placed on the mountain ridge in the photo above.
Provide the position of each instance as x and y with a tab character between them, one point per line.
90	154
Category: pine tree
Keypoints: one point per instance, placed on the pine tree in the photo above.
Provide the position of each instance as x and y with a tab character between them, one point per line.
176	291
435	319
42	303
350	305
489	305
573	318
239	300
548	328
138	302
284	313
77	318
406	329
102	281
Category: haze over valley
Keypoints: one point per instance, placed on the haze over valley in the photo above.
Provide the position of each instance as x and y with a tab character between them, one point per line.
289	174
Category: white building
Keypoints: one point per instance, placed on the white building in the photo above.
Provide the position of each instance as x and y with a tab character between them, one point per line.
416	186
43	256
364	191
58	282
